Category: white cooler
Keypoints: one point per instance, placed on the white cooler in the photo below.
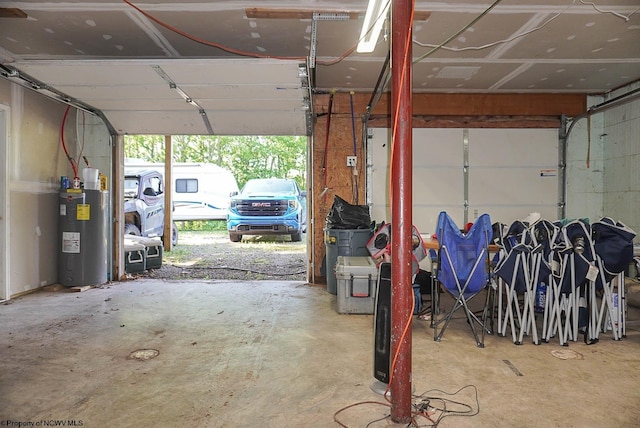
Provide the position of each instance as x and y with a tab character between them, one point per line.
357	279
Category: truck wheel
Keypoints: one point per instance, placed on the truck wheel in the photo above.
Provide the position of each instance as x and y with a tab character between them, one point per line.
234	237
296	237
131	229
174	234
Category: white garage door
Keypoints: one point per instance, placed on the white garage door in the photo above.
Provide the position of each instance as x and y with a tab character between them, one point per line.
510	173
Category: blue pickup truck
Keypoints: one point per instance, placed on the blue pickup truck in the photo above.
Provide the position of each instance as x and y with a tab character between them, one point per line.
268	206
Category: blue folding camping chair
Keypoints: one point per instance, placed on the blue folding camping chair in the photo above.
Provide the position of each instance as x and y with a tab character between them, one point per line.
463	272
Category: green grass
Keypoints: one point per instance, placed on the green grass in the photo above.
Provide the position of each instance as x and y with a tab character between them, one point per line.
204	226
178	255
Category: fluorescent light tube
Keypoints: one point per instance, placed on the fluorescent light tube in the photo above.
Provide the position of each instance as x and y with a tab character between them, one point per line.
373	20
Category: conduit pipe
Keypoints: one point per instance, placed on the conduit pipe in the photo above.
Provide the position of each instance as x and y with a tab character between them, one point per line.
326	148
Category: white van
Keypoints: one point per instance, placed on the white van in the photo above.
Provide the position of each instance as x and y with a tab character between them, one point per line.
201	191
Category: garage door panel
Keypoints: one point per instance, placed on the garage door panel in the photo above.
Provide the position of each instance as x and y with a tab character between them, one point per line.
511	186
431	187
437	186
513	147
439	147
512	172
425	217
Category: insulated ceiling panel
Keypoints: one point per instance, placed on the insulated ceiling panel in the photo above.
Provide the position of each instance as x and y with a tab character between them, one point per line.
137	95
476	41
68	33
574	77
585	37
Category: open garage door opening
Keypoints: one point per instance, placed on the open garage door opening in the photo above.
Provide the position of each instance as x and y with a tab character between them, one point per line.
239	204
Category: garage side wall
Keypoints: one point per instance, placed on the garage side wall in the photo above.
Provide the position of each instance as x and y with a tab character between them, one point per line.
621	143
34	166
585	167
603	154
330	174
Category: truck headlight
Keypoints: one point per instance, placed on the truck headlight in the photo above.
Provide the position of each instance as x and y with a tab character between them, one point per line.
293	204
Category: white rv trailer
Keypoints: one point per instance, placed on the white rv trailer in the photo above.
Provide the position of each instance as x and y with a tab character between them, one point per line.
200	190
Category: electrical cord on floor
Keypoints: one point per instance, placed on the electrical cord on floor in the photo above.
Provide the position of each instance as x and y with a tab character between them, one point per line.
413	422
384	418
361	403
427	407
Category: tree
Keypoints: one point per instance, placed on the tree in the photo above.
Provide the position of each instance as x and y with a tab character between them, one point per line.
146	147
246	157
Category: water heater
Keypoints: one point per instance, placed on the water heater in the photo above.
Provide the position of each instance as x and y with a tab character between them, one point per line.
83	237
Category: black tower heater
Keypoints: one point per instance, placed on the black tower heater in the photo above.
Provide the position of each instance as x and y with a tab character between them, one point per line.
382	328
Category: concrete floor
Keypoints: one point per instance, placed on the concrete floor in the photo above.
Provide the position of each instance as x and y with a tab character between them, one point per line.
276	354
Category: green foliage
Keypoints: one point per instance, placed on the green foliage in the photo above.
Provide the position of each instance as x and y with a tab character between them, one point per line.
199	225
146	147
246	157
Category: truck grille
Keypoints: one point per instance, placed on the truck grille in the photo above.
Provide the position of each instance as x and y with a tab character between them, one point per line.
268	207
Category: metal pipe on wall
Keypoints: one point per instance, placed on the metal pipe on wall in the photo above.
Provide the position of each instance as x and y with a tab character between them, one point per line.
562	167
465	173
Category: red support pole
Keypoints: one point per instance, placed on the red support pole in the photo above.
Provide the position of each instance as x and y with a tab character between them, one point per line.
401	208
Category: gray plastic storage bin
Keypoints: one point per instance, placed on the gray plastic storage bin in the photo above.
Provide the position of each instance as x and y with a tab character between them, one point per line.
357	282
343	242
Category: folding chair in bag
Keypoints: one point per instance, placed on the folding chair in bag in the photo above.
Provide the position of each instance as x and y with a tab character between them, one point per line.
613	244
574	281
463	272
545	234
498	234
514	277
538	271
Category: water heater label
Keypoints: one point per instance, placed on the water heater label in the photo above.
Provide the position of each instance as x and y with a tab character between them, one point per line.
84	212
63	209
71	242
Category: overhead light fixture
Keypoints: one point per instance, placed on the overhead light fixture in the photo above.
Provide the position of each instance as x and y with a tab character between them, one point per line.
373	20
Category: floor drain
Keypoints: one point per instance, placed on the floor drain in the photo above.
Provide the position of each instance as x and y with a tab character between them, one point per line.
143	354
567	354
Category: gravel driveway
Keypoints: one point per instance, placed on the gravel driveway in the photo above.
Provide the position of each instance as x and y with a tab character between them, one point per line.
210	255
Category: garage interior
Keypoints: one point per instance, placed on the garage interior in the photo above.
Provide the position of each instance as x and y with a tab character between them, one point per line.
278	354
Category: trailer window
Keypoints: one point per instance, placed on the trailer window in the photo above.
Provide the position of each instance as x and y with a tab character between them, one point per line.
187	185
